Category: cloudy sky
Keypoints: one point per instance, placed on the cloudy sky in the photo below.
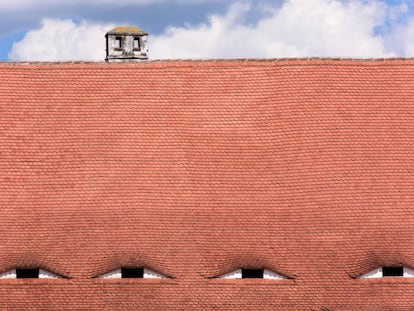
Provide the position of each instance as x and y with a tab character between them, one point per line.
57	30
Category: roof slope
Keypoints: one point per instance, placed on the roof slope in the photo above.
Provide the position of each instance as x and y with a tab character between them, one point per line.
197	168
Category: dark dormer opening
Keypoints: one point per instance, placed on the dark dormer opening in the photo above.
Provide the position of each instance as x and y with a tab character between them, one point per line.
137	44
132	273
23	273
118	42
392	271
252	273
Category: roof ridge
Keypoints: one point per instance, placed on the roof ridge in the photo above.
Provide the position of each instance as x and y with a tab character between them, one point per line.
201	60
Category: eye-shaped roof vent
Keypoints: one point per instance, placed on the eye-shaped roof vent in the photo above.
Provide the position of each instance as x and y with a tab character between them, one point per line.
253	274
29	273
381	272
132	273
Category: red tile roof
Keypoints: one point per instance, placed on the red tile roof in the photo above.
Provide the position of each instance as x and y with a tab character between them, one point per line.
198	168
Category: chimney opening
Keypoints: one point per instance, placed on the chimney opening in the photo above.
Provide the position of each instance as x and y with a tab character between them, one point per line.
118	42
137	44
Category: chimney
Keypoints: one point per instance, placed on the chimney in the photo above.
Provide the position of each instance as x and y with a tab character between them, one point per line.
126	43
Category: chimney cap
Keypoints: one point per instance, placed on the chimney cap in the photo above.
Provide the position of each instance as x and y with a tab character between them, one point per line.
126	30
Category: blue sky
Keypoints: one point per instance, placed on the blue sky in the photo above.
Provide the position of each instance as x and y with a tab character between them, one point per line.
51	30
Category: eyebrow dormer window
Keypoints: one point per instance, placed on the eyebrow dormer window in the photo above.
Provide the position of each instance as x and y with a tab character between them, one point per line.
132	273
392	271
253	274
29	273
137	43
384	272
118	42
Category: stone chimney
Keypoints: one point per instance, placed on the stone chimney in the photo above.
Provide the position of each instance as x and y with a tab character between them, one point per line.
126	43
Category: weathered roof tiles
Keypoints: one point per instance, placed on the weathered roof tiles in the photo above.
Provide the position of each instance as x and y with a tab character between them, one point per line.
197	168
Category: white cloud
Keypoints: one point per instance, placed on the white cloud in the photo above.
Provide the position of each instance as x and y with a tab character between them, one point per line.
299	28
402	39
59	40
